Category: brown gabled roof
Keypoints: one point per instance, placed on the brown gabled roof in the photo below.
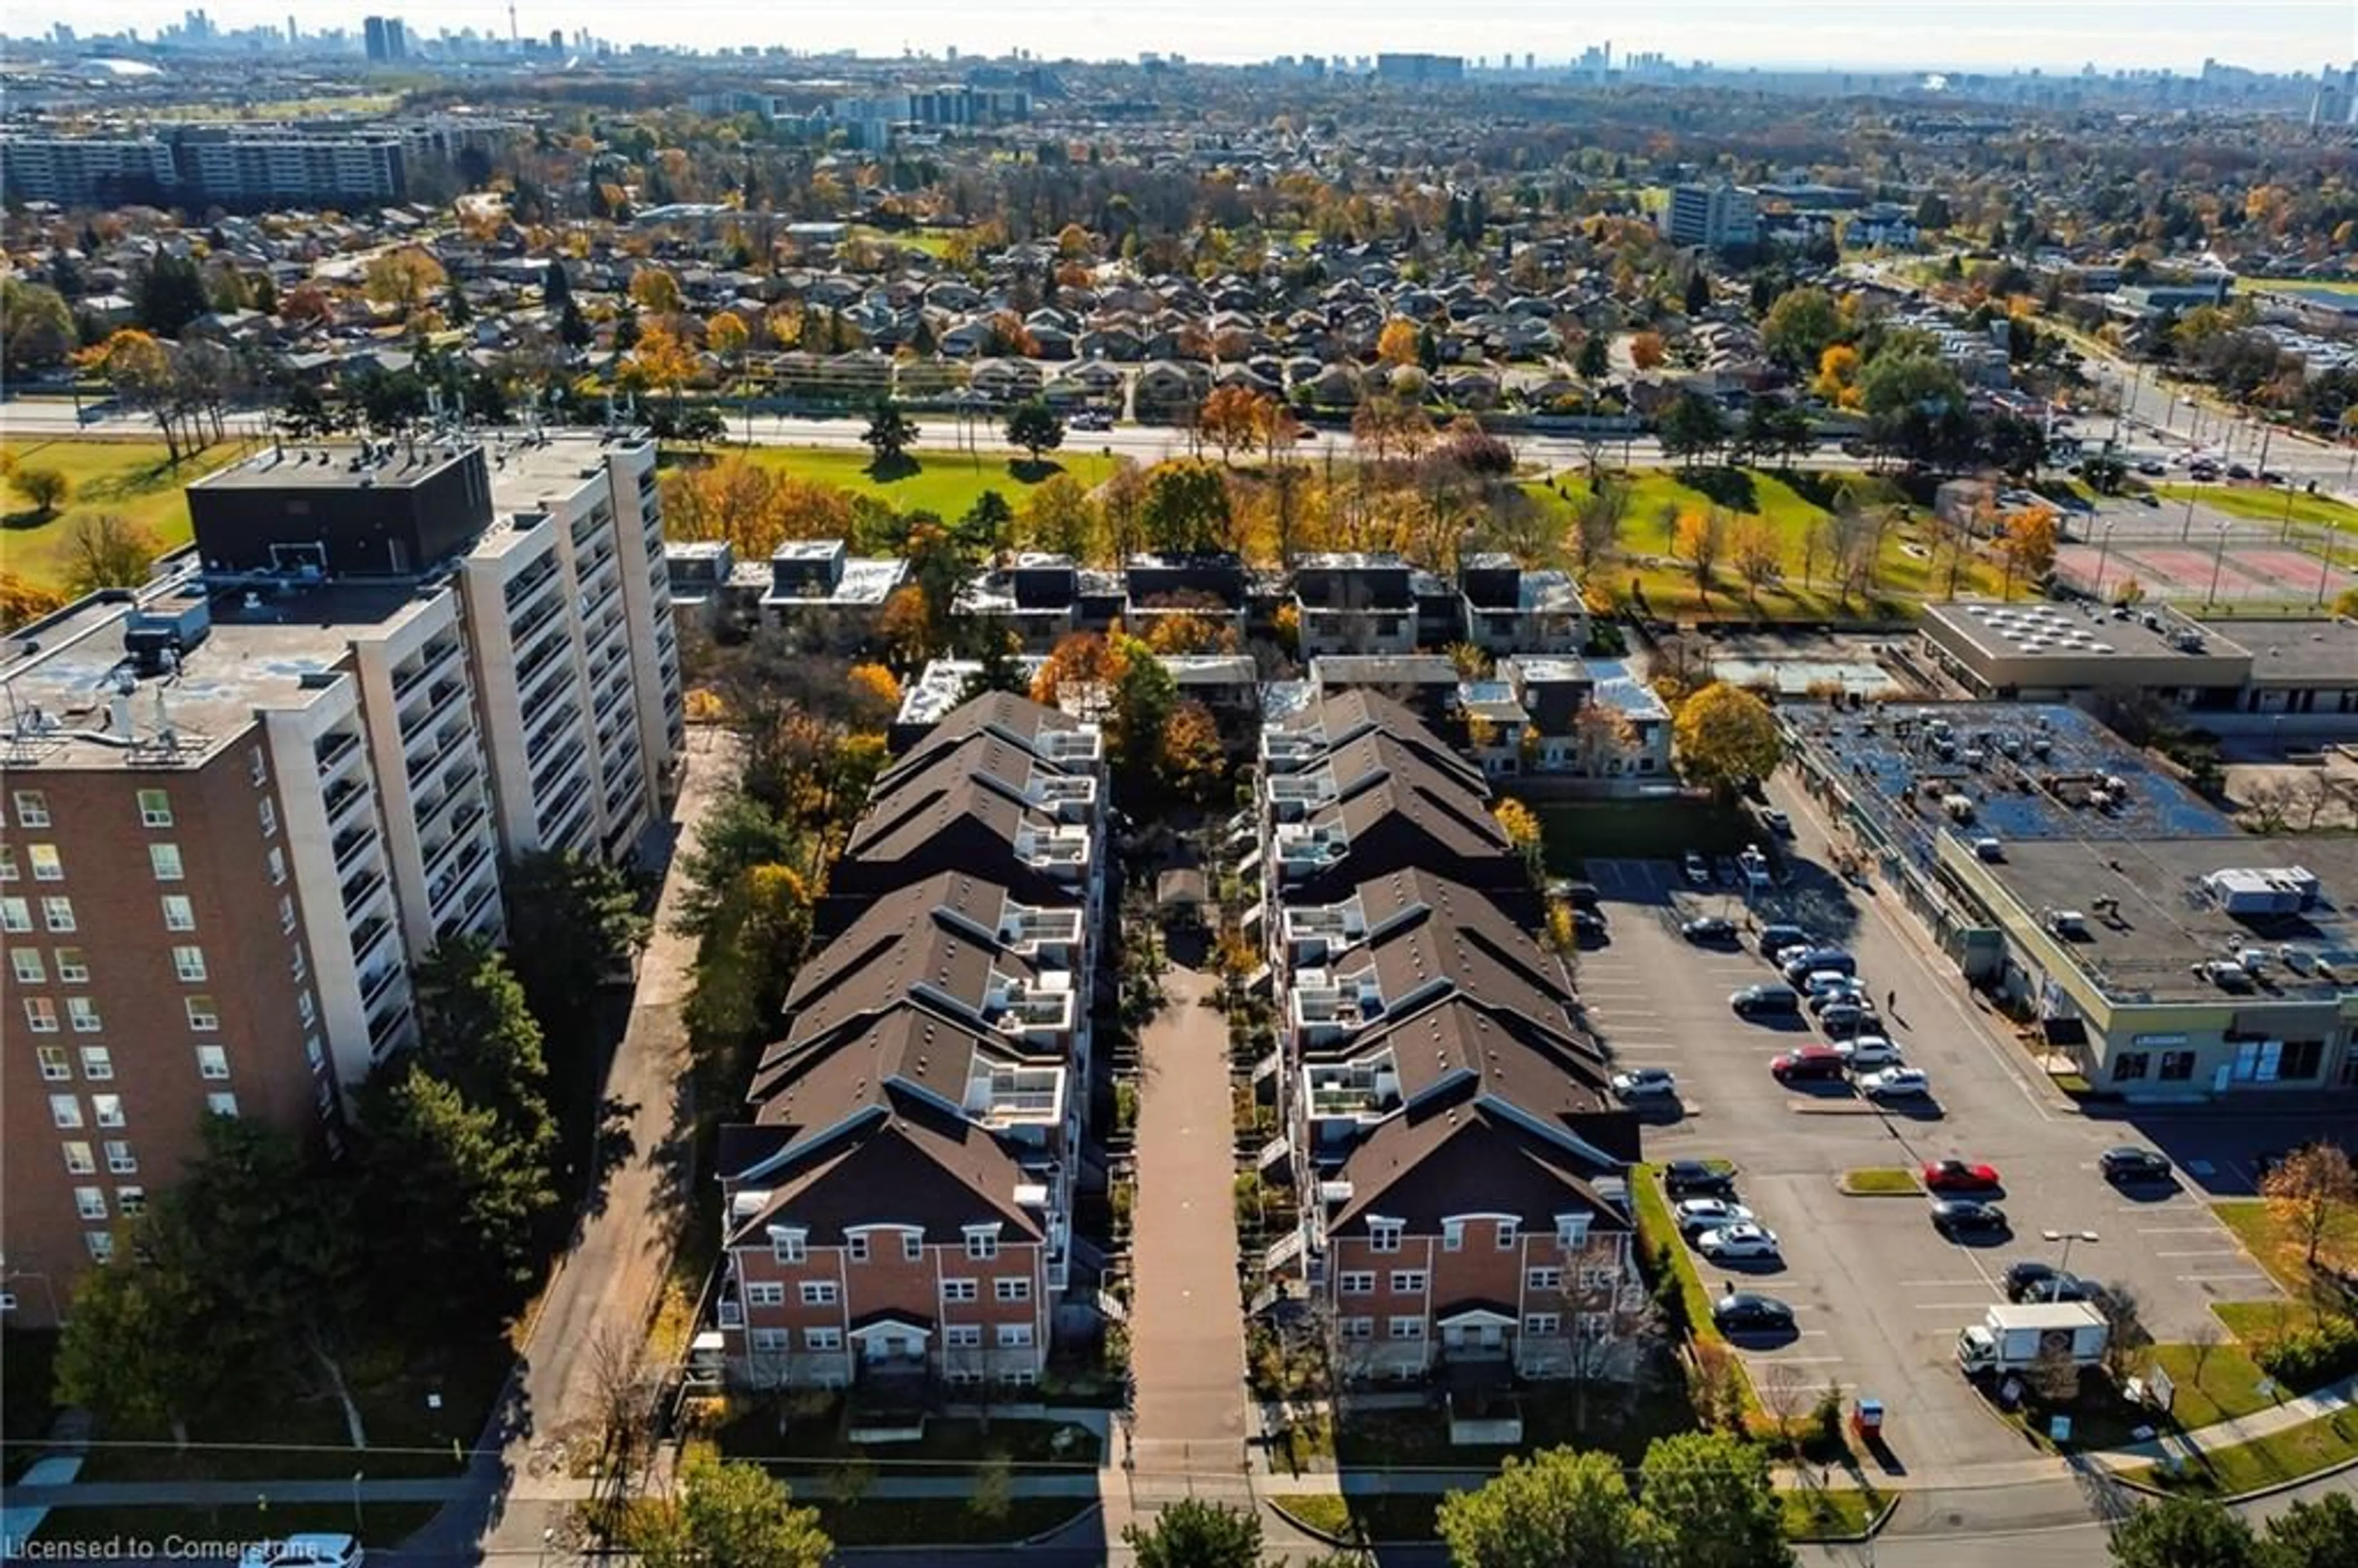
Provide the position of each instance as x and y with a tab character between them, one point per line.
940	932
1466	1157
1424	927
995	713
1338	719
905	1161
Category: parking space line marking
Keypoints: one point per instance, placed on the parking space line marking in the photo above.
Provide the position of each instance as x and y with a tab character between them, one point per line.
1976	1281
2178	1230
1950	1306
2205	1253
2238	1274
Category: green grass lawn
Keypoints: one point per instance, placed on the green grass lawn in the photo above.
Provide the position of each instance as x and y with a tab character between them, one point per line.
1657	1232
381	1525
2281	1457
2275	1243
2228	1388
934	243
1880	1182
1828	1513
1639	829
928	1522
951	1444
1365	1520
133	479
270	1437
945	483
2317	284
2264	506
1792	506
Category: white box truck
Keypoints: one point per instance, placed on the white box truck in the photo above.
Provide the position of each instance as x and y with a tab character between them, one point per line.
2009	1338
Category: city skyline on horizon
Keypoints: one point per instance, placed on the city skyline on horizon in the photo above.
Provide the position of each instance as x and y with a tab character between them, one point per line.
2293	35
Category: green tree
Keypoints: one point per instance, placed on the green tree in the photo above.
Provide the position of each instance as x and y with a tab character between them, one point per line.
569	916
726	1514
1595	361
1035	428
46	488
1800	328
987	526
1560	1508
1186	508
476	1033
890	432
105	549
1692	427
1710	1503
450	1195
2322	1534
1145	694
129	1354
170	294
2184	1532
1191	1533
36	330
1725	734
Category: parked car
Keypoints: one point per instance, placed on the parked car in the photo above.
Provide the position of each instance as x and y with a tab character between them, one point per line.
2237	471
1697	1216
2021	1278
1696	869
1693	1178
1810	1064
1959	1176
1775	939
1583	895
1761	1002
1587	925
1645	1082
1737	1241
2062	1287
1778	823
1964	1217
1709	930
1742	1310
1828	989
1895	1083
2150	468
305	1550
1801	968
2130	1162
1869	1051
1845	1019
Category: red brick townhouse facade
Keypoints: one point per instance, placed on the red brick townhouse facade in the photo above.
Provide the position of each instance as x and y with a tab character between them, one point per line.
898	1203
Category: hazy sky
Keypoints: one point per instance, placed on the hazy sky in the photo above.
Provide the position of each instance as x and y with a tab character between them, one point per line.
1931	34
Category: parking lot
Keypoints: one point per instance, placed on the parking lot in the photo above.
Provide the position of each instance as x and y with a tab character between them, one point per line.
1878	1293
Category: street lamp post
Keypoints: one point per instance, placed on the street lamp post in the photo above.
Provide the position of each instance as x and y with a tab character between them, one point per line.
2103	548
359	1531
2067	1237
2186	523
2218	559
2325	566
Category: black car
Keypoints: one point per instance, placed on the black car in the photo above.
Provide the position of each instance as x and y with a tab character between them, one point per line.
1962	1217
1587	925
1709	928
1741	1310
2021	1278
1694	1179
1755	1002
2062	1288
2128	1163
1775	939
1583	895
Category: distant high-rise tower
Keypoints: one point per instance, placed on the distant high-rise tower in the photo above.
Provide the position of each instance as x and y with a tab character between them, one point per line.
384	38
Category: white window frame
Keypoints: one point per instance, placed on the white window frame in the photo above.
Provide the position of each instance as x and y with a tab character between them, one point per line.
961	1290
82	1012
57	1067
122	1160
1014	1336
15	914
962	1336
205	1019
78	1160
65	1113
1572	1230
100	1244
856	1243
1542	1325
40	1015
1384	1235
58	912
167	862
155	808
912	1245
267	809
766	1293
90	1203
98	1064
1406	1328
770	1341
1408	1281
1012	1288
189	963
1453	1235
1357	1281
179	911
1357	1328
212	1064
25	963
822	1339
1510	1232
73	966
1543	1277
220	1103
106	1110
982	1243
48	865
820	1292
32	808
789	1246
130	1201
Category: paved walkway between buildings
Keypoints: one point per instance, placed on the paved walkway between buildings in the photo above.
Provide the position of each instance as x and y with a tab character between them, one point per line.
1187	1338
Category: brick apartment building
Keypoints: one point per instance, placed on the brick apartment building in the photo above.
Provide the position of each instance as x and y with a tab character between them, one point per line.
898	1204
242	799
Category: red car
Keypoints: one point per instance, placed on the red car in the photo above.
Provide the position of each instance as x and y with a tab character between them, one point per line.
1811	1061
1956	1176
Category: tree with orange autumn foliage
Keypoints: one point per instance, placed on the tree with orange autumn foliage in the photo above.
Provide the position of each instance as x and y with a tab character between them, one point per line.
875	695
1235	417
1396	345
1082	669
1647	350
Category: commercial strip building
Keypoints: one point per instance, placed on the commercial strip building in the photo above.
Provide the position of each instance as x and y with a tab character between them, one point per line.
244	799
898	1205
2165	954
1448	1125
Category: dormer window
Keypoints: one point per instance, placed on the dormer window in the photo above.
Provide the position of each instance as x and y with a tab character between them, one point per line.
1572	1230
788	1246
1384	1235
1507	1229
1453	1235
982	1242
